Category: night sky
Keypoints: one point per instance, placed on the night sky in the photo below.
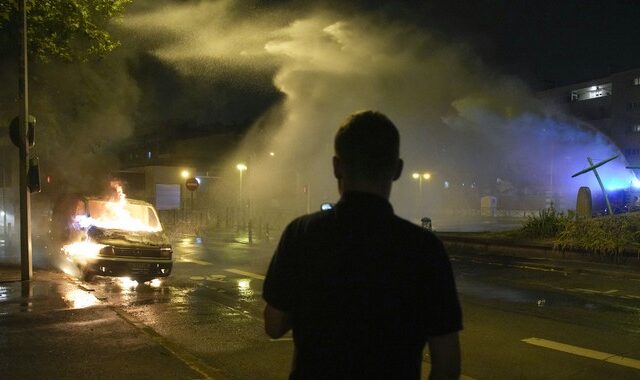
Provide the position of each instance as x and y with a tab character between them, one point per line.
545	43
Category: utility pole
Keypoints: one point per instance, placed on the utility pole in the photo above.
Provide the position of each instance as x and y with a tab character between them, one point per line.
25	197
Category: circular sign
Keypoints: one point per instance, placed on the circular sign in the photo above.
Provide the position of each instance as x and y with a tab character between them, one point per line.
192	184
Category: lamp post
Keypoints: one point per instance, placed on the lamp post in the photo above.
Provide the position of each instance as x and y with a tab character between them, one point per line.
241	168
424	176
184	174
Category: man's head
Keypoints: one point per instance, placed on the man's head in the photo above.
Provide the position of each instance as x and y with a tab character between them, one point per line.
367	153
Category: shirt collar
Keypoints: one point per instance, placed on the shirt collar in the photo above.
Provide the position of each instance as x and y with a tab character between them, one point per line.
364	202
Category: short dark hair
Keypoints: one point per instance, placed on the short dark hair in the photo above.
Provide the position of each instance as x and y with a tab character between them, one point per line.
368	144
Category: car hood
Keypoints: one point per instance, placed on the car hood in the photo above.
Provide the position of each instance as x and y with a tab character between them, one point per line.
122	238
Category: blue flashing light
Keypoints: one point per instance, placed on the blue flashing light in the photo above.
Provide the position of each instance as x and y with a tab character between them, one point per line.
613	184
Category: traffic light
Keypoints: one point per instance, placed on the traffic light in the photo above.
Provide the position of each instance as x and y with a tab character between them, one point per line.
33	176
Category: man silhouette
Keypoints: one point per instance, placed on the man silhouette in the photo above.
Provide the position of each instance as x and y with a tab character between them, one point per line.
362	289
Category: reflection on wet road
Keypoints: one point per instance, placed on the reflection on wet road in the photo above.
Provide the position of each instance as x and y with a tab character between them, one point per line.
211	306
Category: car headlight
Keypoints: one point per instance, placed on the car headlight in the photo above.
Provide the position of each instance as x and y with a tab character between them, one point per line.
166	251
107	251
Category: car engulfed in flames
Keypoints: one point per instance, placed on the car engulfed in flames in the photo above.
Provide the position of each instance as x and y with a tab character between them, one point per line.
113	237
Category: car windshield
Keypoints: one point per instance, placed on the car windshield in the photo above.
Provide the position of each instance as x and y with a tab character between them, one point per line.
123	216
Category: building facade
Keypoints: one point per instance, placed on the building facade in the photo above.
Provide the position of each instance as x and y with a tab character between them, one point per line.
610	104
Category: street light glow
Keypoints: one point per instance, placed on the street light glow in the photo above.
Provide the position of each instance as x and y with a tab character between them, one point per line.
241	167
426	175
184	174
415	175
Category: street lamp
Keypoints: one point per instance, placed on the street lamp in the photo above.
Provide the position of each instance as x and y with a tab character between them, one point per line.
241	168
424	176
184	173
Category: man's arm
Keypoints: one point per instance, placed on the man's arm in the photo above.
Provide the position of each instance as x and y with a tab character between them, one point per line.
276	322
445	357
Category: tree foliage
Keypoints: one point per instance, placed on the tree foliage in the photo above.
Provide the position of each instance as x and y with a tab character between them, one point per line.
66	30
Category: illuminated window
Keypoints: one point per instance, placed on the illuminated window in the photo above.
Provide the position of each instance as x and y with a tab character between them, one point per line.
635	128
636	81
591	92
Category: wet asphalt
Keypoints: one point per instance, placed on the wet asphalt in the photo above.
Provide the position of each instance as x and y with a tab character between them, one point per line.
524	318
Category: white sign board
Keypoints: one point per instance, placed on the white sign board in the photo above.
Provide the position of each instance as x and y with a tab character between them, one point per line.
167	196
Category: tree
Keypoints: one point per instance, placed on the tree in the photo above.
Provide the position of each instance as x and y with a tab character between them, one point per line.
66	30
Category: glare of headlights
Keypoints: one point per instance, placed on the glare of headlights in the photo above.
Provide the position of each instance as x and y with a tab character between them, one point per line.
127	282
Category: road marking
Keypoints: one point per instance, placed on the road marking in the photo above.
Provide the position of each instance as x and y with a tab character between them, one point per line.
193	261
585	352
286	339
185	258
592	291
537	268
248	274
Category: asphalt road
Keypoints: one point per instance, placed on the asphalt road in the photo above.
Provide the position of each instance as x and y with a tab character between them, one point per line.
524	319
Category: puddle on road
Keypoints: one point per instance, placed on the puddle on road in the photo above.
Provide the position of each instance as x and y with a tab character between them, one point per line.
80	299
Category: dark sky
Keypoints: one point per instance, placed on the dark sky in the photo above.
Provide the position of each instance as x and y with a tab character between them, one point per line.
544	42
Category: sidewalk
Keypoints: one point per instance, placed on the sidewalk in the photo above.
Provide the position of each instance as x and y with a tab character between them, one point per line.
54	328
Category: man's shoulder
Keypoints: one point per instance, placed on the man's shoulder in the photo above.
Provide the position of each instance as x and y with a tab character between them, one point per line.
310	223
413	233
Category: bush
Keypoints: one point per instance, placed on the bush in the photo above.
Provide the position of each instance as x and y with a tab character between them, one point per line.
604	235
547	224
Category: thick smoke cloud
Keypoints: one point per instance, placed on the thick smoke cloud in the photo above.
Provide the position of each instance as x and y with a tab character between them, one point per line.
477	132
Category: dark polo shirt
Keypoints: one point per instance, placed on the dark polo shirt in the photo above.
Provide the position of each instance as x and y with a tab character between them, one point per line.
365	288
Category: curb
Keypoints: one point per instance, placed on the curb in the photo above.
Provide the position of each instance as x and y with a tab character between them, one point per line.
626	264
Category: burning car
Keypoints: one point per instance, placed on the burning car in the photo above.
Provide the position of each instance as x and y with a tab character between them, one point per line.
112	237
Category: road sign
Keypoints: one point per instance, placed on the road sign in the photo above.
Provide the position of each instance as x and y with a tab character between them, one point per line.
192	184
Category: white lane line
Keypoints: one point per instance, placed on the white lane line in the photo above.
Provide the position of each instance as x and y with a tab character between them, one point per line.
592	291
195	261
285	339
243	273
585	352
536	268
186	259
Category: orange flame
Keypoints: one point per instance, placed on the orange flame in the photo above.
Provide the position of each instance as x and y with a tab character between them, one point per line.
113	213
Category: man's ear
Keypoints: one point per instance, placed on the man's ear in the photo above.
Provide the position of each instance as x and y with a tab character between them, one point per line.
398	172
337	167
